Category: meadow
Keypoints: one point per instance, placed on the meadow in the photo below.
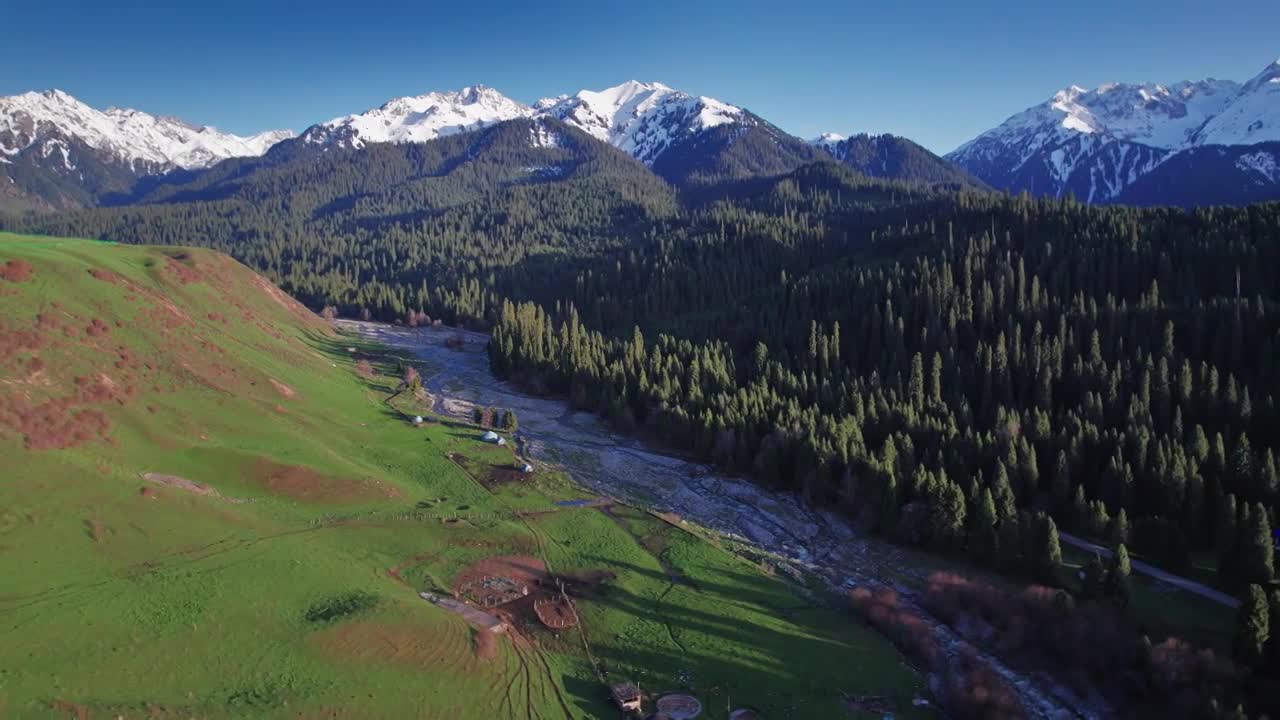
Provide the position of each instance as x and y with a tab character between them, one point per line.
209	510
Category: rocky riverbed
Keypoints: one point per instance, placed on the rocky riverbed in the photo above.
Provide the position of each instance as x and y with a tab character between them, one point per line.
598	458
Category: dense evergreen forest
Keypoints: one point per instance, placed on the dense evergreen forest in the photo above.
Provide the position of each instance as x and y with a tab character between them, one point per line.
958	370
938	362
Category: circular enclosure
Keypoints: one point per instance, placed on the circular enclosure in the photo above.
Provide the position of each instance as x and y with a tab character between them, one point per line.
679	707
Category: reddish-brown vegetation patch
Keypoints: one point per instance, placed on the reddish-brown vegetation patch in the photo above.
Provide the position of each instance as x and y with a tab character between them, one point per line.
16	271
971	688
97	328
283	389
71	709
364	369
185	273
414	645
108	276
306	485
1091	645
52	424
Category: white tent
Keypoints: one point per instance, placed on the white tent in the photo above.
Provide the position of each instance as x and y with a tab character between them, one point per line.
491	437
417	419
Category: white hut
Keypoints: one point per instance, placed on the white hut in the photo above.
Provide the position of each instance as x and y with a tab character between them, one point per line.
526	468
491	437
417	419
502	441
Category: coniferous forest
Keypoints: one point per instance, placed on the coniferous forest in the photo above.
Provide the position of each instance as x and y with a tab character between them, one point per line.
958	370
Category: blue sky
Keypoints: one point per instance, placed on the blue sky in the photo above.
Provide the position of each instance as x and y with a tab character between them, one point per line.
937	72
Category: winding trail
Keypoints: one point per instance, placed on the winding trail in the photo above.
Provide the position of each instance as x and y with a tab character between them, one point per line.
615	465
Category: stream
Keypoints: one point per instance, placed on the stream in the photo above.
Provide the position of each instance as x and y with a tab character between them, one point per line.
612	464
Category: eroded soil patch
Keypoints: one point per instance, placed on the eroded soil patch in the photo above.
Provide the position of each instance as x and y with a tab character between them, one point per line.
307	485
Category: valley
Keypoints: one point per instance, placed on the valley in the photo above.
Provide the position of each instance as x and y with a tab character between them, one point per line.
601	398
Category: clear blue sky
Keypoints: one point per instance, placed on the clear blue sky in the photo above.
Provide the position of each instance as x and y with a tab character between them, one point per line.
938	72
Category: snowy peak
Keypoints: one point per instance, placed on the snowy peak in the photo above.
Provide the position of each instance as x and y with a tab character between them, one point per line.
1152	114
1097	143
421	118
1252	117
641	119
828	141
132	137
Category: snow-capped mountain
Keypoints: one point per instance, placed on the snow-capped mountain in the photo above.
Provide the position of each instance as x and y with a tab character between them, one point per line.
130	136
828	141
420	118
676	134
1097	143
56	151
1252	117
641	119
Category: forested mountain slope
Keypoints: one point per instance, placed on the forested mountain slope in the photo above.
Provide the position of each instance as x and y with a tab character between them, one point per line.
387	228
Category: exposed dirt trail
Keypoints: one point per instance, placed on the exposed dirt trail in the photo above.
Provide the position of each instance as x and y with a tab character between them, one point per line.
615	465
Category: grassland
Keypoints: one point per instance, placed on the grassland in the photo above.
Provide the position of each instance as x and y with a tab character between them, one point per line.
207	512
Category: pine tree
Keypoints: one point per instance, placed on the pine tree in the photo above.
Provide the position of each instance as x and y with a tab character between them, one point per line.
1252	627
1118	584
1118	529
1257	552
983	538
1048	551
917	388
1227	538
1002	493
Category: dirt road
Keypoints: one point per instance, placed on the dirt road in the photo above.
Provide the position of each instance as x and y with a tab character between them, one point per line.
1168	578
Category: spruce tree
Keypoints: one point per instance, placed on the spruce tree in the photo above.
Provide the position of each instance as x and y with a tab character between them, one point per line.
1118	529
1048	551
1257	551
983	538
1118	583
1252	627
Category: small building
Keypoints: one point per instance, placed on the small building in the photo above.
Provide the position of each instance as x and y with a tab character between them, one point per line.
627	696
491	437
417	419
502	441
526	468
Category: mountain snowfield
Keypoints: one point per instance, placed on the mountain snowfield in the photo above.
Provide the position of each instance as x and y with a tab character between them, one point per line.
1099	143
419	119
641	119
50	120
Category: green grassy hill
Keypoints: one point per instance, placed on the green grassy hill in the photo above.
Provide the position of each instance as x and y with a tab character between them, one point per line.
208	510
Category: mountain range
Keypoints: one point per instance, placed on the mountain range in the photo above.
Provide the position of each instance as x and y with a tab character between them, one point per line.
1189	143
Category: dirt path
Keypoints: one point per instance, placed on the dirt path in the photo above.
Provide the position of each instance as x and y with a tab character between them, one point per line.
615	465
1168	578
